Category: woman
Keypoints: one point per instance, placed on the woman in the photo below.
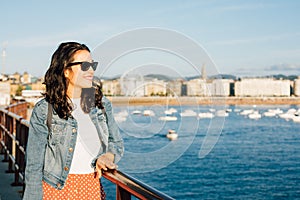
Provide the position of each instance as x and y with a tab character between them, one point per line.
72	133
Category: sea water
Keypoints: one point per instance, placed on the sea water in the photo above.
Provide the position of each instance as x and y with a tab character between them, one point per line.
241	158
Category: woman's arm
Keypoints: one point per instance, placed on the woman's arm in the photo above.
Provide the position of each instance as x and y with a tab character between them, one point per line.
115	141
35	152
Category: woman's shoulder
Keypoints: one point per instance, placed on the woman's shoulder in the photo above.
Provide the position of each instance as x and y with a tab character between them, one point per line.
105	101
41	105
41	102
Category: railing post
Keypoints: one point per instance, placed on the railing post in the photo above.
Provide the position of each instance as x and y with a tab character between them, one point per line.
18	154
9	143
122	194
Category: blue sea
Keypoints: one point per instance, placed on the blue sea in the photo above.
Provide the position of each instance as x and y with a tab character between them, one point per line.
231	157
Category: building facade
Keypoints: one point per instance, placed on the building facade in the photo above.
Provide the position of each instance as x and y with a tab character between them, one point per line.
297	87
257	87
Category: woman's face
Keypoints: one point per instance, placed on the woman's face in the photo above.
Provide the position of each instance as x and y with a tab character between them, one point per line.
79	79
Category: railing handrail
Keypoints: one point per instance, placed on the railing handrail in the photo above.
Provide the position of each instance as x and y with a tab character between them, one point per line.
134	186
16	138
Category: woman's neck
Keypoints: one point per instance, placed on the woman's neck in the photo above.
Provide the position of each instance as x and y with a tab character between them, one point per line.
74	92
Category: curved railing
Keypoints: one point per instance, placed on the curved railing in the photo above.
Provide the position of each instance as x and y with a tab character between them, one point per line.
13	139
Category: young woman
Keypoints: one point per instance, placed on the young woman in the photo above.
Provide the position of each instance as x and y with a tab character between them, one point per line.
72	134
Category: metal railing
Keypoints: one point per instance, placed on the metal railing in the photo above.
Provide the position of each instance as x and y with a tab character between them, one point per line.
13	140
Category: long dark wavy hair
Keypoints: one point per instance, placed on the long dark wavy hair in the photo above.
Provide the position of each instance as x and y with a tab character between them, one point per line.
57	84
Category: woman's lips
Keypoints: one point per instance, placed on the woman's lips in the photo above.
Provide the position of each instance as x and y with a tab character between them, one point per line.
90	78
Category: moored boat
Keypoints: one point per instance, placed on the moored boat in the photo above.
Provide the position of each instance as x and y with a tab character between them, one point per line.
188	113
172	135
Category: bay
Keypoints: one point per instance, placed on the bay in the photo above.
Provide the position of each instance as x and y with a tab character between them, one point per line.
249	159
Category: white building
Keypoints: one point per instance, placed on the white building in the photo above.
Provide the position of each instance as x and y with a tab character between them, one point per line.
111	87
221	87
132	85
155	87
262	87
198	87
297	87
32	96
4	93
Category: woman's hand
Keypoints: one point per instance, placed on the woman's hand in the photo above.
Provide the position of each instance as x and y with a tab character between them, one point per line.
104	162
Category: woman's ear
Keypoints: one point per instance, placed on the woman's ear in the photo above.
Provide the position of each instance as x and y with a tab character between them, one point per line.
66	73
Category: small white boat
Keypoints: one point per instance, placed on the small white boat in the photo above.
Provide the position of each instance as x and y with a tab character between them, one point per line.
222	113
296	118
168	118
188	113
247	112
228	110
173	110
206	115
172	135
170	111
254	115
289	114
276	111
269	114
148	113
212	110
136	112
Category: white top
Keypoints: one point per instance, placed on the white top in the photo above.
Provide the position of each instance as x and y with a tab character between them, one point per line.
87	144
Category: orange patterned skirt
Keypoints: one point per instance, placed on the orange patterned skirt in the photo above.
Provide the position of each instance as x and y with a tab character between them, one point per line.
78	186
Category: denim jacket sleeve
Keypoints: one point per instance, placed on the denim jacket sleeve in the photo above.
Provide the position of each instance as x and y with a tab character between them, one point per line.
115	141
35	150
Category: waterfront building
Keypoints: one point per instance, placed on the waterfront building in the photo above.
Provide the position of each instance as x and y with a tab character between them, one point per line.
3	77
26	78
4	93
297	87
15	88
221	87
15	78
132	85
257	87
155	87
198	87
38	84
31	96
111	87
174	87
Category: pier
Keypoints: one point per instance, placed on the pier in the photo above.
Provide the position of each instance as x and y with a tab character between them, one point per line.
199	100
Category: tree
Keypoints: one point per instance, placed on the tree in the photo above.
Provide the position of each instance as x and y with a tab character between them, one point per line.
19	91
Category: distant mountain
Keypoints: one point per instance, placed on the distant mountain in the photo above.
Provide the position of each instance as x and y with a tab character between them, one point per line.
219	76
159	77
223	76
277	77
281	76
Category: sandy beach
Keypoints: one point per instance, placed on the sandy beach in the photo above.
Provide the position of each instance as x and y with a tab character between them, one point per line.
117	100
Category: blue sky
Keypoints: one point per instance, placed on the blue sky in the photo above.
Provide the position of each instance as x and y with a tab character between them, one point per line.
244	38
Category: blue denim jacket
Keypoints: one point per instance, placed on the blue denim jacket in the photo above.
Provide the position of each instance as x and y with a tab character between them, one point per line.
49	155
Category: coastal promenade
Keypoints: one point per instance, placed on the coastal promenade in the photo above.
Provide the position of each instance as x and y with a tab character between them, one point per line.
8	192
120	100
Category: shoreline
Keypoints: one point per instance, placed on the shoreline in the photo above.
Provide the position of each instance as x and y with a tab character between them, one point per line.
118	100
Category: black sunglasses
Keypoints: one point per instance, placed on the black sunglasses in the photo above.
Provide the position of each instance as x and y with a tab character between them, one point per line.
85	65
